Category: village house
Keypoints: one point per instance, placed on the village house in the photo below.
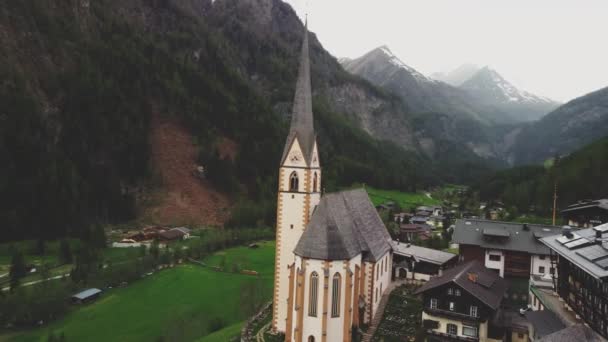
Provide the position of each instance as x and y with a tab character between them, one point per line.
174	234
510	249
582	280
586	214
411	232
463	304
420	263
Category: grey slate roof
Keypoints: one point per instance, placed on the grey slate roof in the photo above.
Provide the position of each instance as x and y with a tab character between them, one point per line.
301	117
576	255
574	333
503	235
429	255
600	203
545	322
489	287
343	225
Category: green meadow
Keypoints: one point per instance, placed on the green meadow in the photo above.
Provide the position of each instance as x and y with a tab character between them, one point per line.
405	200
185	303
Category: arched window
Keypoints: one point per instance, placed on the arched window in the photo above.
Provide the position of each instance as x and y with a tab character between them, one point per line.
313	295
376	294
314	182
311	338
293	182
335	295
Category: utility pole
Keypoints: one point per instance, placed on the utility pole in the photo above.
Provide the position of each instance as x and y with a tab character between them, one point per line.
554	200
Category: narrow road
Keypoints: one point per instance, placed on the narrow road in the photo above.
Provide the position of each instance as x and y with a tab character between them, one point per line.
38	281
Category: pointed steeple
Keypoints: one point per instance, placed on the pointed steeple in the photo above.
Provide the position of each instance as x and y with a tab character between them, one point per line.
301	117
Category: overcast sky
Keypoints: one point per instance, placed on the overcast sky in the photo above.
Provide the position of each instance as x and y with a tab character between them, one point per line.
553	48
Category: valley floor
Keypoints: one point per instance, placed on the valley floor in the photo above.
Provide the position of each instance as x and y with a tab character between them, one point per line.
185	303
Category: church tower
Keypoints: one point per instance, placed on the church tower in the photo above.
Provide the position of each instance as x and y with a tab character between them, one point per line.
299	187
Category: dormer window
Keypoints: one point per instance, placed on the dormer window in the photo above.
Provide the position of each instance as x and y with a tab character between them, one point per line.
293	182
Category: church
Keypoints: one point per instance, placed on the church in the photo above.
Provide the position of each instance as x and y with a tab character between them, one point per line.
333	252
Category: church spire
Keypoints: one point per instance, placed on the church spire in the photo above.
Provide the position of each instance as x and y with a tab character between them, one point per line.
301	117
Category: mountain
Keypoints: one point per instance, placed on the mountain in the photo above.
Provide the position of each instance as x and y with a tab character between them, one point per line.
422	94
572	125
579	175
443	115
86	88
457	76
490	88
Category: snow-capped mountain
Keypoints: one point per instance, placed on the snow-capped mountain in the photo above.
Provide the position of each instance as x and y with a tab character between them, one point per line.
489	87
457	76
421	93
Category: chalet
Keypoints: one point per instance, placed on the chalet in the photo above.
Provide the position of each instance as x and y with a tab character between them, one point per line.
587	214
412	231
463	304
434	210
420	263
419	219
582	281
510	249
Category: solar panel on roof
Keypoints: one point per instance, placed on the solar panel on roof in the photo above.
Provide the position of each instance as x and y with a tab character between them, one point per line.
602	228
602	263
593	253
563	239
577	243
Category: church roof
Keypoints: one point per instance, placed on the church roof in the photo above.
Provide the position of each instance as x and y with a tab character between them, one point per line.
301	117
343	225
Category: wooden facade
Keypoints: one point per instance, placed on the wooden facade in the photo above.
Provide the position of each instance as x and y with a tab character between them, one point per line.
517	264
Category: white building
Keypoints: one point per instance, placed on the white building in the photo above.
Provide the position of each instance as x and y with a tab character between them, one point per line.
333	253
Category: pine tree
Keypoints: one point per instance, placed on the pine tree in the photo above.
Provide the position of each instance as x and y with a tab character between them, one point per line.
18	268
65	252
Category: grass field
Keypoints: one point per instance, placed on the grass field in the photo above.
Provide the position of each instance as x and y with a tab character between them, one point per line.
405	199
183	303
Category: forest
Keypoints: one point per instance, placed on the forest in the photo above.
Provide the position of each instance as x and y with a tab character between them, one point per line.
74	132
578	176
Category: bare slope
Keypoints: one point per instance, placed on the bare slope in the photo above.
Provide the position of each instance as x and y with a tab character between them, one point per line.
183	197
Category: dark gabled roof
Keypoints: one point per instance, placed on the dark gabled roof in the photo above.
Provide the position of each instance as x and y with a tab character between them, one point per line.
503	235
301	117
489	287
343	225
573	333
600	203
172	234
545	322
